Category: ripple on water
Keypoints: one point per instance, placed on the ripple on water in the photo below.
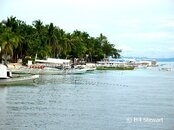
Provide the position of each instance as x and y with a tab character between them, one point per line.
99	100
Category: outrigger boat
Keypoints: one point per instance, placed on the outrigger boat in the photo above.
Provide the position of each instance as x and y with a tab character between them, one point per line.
76	71
38	70
6	78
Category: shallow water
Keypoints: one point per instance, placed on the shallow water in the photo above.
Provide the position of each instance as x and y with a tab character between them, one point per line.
100	100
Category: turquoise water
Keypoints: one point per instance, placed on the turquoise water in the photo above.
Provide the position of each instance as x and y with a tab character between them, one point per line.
142	99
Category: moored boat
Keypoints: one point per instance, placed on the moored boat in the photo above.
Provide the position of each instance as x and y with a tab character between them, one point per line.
91	68
38	70
6	78
76	71
19	80
115	68
165	69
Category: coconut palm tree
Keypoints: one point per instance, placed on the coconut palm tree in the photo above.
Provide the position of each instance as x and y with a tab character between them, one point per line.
18	39
52	38
40	46
38	26
62	43
9	41
11	22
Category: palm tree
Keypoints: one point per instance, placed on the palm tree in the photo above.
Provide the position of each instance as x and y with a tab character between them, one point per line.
40	46
79	47
18	39
38	26
102	39
9	41
62	43
68	44
11	22
51	34
1	31
91	49
19	32
53	41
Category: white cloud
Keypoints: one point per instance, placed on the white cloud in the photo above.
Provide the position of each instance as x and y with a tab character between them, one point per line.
124	47
154	49
128	23
150	35
139	24
171	49
168	24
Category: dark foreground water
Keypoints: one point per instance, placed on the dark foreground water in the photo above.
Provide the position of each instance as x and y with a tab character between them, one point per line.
101	100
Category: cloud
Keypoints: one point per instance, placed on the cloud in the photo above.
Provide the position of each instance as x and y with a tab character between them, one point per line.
154	49
171	49
127	23
141	25
124	47
150	35
169	23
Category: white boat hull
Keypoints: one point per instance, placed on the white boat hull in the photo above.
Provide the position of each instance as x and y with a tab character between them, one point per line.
45	71
76	71
19	80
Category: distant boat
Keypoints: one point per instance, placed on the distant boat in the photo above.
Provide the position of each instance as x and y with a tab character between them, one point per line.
76	71
165	69
84	67
115	68
124	64
116	64
6	77
91	68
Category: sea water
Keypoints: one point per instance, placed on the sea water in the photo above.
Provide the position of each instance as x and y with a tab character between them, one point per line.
142	99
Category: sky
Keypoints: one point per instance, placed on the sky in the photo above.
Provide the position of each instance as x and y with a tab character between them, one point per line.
141	28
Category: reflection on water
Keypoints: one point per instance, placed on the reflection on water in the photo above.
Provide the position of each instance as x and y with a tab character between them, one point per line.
101	100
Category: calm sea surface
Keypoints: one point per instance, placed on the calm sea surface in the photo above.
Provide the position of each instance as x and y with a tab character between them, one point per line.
142	99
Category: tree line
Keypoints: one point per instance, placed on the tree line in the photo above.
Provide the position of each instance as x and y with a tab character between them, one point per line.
19	40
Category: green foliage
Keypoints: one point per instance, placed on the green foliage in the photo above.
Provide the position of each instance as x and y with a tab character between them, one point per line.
25	60
18	40
9	41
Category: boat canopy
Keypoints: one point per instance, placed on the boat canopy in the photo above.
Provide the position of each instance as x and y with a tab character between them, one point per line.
53	60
